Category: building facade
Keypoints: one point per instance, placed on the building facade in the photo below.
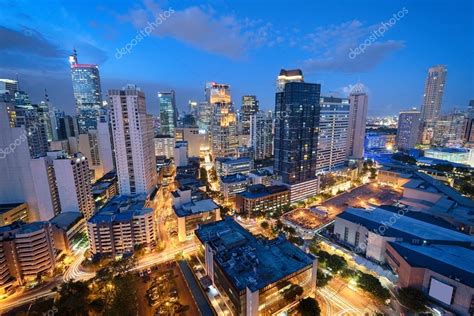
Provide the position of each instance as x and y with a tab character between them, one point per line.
259	199
250	106
261	135
408	129
357	122
433	94
168	112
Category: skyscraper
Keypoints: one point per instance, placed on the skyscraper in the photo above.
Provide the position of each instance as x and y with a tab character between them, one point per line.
132	130
8	85
408	128
261	135
87	93
433	95
223	125
358	101
296	133
333	130
168	112
250	106
469	132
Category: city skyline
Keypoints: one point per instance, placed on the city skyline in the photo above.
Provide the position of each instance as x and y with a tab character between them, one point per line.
327	50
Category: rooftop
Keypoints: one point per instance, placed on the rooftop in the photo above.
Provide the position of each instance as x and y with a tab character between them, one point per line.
452	261
237	177
449	150
262	172
7	207
122	208
196	207
405	227
249	261
65	220
228	160
259	191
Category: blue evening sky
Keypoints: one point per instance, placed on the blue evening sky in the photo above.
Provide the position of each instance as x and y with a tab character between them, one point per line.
244	44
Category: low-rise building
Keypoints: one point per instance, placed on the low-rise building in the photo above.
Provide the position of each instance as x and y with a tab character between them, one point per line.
190	214
255	276
259	199
12	212
26	253
232	184
123	223
69	228
261	176
164	145
463	156
229	166
104	189
445	273
369	230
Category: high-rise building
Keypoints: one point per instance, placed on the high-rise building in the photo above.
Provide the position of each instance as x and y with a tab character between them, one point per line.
261	135
204	115
168	112
449	129
333	130
15	182
296	134
132	130
285	76
433	95
8	85
44	111
408	128
223	125
469	131
358	101
87	93
196	138
181	154
250	106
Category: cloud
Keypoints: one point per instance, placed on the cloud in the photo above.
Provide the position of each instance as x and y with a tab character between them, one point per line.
202	28
332	45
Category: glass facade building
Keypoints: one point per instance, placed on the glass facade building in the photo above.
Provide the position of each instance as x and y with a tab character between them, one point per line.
168	112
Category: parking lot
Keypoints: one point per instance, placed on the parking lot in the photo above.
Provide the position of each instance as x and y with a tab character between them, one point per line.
371	194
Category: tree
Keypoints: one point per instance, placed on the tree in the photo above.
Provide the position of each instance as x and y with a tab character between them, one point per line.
309	307
296	240
265	225
73	299
371	284
124	298
336	263
413	299
292	292
322	278
203	174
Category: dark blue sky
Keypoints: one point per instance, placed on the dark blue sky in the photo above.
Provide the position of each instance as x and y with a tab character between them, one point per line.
243	43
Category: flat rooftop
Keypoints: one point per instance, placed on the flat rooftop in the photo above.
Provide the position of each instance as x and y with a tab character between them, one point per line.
452	261
259	190
65	220
249	261
121	208
261	172
196	207
9	206
238	177
403	226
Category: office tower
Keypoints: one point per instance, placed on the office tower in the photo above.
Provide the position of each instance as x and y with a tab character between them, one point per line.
285	76
204	115
408	129
333	130
193	108
261	135
197	139
223	125
30	116
44	110
296	133
181	154
87	93
433	95
8	85
15	180
250	106
168	112
132	130
449	129
187	121
358	101
469	131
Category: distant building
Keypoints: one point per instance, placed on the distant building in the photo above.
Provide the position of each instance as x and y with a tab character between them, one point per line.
133	141
433	95
333	132
456	155
261	135
250	271
261	176
250	106
223	123
469	131
9	85
357	122
232	184
408	129
69	228
164	145
122	224
449	129
181	153
196	138
259	199
87	93
168	112
297	111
